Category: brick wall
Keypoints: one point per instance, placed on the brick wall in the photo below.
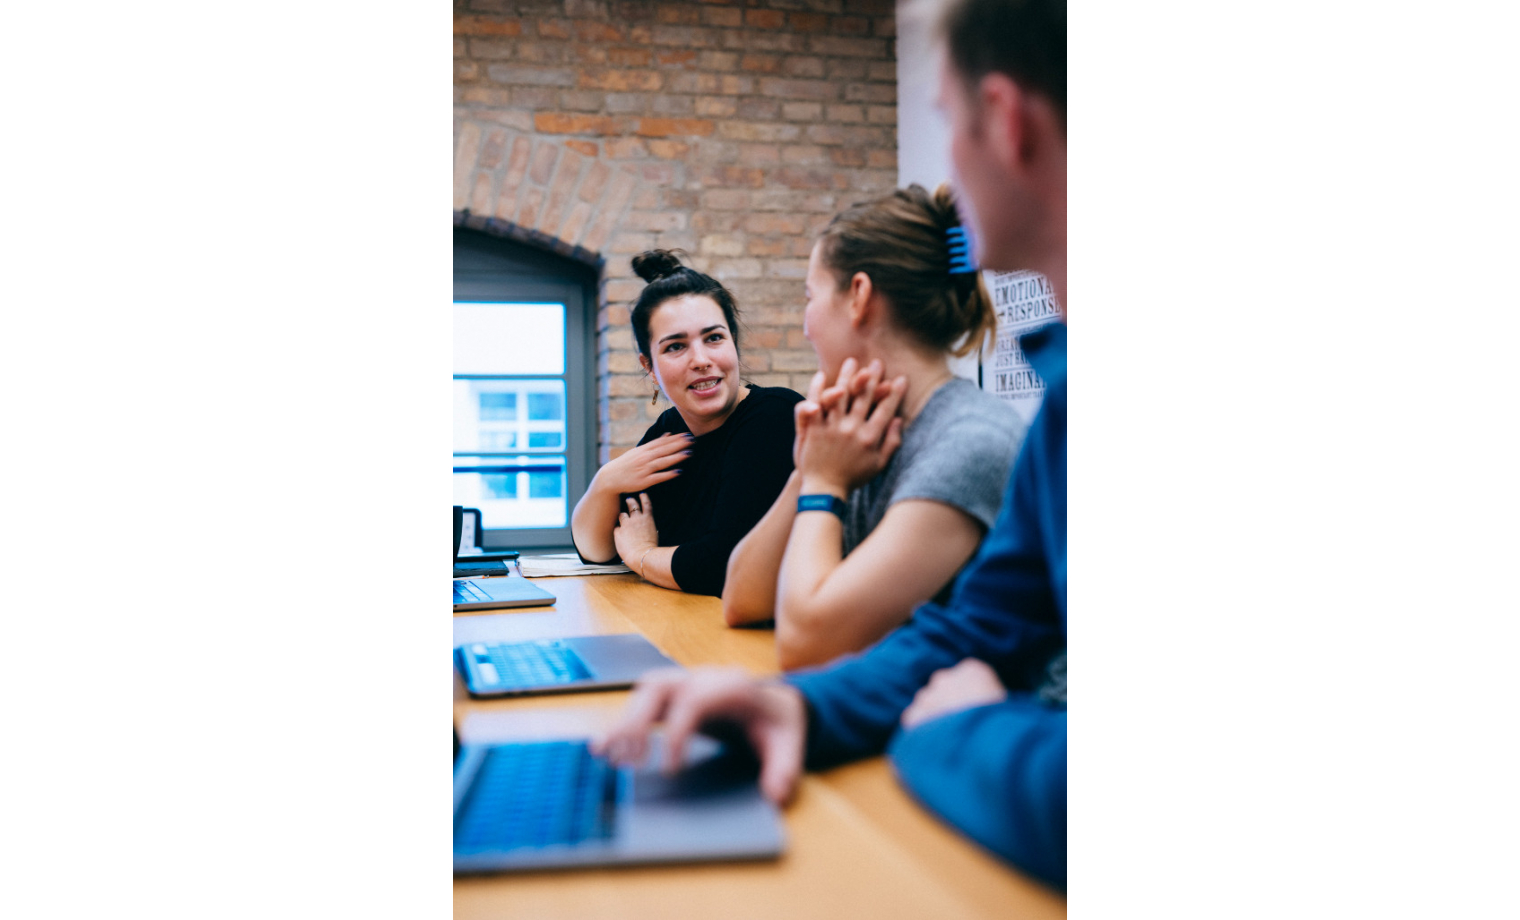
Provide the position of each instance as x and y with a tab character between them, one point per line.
733	130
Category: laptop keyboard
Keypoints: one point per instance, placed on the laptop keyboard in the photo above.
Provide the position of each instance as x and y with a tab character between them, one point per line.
503	666
537	795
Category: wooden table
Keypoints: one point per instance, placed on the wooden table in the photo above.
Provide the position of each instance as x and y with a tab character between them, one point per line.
857	844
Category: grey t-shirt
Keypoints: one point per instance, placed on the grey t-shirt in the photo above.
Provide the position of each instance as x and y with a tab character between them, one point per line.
958	451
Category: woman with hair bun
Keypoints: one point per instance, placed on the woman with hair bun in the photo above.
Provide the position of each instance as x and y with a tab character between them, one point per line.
900	464
673	507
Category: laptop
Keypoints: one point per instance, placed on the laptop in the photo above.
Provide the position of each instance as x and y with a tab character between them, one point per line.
553	805
490	593
492	669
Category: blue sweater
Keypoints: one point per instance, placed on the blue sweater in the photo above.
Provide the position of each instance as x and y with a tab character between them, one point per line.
996	772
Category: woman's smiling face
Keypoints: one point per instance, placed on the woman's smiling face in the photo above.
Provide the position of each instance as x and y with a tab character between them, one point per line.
694	360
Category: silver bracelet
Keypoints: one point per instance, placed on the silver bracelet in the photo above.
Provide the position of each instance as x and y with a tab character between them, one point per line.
641	562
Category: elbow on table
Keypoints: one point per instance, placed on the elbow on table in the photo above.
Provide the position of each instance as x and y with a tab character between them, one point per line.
801	642
739	610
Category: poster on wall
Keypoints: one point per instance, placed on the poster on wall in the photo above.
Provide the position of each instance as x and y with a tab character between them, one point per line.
1022	301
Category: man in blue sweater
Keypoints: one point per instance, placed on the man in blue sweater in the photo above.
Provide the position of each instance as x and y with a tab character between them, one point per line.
967	698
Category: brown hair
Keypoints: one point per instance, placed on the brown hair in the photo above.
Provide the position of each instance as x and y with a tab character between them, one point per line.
900	242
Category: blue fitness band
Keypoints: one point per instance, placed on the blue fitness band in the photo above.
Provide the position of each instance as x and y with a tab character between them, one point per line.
831	503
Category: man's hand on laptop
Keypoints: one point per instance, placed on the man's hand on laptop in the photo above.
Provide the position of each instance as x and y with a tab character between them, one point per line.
772	716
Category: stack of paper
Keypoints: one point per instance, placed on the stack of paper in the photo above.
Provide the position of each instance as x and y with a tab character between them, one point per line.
564	564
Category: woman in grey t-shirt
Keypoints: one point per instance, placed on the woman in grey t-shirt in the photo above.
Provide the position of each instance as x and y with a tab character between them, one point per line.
910	459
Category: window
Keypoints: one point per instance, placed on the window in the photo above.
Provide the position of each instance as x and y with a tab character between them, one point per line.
524	445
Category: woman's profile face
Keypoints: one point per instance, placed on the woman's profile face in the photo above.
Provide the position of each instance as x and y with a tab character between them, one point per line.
826	319
694	360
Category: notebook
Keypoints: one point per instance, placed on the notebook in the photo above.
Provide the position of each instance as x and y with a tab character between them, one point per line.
552	804
563	665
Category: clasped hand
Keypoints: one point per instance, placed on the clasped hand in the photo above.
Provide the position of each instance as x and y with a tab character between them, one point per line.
847	432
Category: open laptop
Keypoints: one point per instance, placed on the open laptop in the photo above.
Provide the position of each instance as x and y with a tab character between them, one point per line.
556	665
510	590
551	804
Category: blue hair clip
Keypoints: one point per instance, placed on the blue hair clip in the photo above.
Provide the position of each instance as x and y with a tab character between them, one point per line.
959	241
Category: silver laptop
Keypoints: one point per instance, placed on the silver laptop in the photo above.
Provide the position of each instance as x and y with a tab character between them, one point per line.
504	591
551	804
556	665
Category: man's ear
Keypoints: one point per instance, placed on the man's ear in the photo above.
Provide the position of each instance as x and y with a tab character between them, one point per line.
860	299
1003	119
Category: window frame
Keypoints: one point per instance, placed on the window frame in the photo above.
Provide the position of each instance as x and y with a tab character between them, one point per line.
495	270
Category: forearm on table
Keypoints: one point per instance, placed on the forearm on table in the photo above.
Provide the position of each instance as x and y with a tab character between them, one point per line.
749	588
592	522
653	565
806	631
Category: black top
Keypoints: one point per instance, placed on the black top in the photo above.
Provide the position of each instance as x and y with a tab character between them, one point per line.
727	484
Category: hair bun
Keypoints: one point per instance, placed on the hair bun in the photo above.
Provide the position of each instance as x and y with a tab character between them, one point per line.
656	264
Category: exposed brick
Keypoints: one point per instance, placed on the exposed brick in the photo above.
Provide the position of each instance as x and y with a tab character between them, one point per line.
881	71
492	49
629	57
765	247
466	71
783	360
511	181
717	60
773	223
535	97
881	114
466	150
882	159
792	177
803	66
803	111
808	22
624	289
588	54
885	26
850	69
845	114
731	177
535	76
560	123
759	154
480	193
756	362
675	58
716	106
669	150
532	205
656	173
725	200
627	102
850	25
804	155
541	52
629	243
667	127
612	208
847	156
683	36
626	148
584	148
672	14
694	83
654	220
592	30
509	118
735	84
559	193
796	338
722	16
835	46
754	131
554	28
645	80
575	223
717	221
758	108
595	181
734	269
799	89
765	19
766	338
763	63
721	245
764	41
856	135
666	104
870	92
493	148
544	157
581	100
